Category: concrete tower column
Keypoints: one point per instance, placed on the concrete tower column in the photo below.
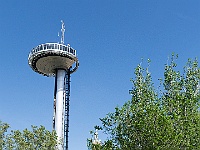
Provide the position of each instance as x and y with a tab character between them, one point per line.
60	97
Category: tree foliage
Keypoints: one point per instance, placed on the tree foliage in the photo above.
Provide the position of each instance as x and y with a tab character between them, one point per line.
167	118
37	139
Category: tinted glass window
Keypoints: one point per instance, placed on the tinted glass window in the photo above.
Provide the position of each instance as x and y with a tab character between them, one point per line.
40	47
52	46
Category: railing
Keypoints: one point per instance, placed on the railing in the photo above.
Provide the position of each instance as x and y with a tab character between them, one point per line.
54	46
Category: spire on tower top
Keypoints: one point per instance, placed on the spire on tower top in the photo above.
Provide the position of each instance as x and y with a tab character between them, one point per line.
63	32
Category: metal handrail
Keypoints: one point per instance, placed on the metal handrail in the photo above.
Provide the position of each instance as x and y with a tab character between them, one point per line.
53	46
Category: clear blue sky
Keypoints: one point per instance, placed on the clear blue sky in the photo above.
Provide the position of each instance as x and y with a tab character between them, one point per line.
110	36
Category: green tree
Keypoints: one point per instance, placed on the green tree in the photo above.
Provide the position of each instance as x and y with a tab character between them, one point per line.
167	118
37	139
3	129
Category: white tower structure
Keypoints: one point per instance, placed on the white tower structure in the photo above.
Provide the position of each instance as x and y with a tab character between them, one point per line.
57	60
96	138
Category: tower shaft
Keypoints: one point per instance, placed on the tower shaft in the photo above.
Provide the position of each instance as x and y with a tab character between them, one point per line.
61	107
60	100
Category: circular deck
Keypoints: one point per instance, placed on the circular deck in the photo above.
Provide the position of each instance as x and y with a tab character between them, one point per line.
47	58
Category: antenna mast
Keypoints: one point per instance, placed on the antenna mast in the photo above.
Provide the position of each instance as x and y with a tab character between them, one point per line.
63	32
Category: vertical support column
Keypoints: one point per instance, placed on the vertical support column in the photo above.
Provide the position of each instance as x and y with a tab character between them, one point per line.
66	116
60	98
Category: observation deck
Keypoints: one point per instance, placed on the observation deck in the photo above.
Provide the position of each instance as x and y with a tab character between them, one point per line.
49	57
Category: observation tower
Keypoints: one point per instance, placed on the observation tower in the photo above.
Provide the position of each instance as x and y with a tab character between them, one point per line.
57	60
